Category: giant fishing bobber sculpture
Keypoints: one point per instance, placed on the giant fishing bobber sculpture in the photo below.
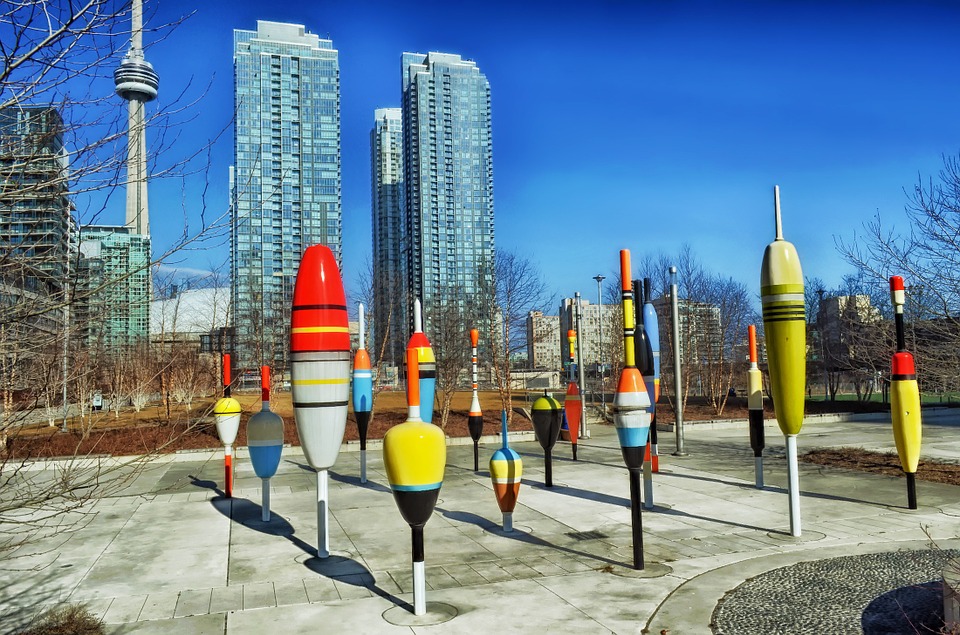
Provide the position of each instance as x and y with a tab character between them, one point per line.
905	397
755	406
226	414
644	361
475	417
651	327
427	364
572	404
362	395
414	455
784	324
265	442
506	472
320	370
630	409
547	417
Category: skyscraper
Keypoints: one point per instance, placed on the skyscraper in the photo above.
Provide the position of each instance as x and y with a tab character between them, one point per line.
34	207
448	165
386	154
285	186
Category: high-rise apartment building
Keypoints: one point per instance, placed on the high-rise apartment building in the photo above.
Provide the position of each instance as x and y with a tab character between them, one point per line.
386	156
113	307
35	217
448	234
285	185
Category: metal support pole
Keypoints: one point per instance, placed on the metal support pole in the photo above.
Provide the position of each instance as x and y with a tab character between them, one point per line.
677	381
793	481
323	498
636	517
599	279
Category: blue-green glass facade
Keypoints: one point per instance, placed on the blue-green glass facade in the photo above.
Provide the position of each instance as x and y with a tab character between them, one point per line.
448	227
113	280
285	185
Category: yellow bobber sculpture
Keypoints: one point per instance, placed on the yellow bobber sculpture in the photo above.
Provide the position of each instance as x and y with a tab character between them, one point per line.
414	456
784	324
905	397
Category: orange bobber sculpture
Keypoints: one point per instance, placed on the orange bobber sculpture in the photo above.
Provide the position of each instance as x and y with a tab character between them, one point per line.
572	404
905	397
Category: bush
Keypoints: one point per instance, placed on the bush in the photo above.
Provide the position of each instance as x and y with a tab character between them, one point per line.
66	619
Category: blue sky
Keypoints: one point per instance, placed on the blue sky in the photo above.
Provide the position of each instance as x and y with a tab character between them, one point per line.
640	125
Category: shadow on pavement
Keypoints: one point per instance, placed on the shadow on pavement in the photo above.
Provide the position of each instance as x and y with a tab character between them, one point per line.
522	536
340	568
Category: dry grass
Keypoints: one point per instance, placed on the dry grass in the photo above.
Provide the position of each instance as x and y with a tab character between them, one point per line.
883	463
69	619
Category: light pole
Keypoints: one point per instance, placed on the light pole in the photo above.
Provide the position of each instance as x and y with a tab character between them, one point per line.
677	385
599	278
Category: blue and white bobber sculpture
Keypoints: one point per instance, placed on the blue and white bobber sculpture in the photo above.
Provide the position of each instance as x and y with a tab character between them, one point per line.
265	441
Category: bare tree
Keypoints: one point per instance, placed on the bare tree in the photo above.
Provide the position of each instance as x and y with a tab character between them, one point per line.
513	290
55	57
450	339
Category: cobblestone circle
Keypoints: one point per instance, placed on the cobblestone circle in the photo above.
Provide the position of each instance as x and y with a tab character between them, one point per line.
875	594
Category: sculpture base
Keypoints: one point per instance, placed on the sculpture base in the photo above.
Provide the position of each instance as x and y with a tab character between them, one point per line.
437	613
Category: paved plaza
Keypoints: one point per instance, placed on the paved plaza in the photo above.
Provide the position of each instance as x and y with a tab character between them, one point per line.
170	554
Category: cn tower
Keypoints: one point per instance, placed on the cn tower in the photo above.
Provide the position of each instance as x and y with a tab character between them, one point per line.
136	82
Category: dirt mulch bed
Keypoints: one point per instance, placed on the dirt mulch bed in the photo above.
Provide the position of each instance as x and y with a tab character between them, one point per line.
883	463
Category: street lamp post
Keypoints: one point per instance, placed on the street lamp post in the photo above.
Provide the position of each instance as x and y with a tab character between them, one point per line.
677	384
599	278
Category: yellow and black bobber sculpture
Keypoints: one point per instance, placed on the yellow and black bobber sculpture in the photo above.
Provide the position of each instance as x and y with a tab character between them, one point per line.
547	417
414	455
784	324
905	397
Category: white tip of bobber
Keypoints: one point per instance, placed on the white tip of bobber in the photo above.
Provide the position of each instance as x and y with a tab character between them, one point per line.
508	521
776	211
363	466
417	317
360	324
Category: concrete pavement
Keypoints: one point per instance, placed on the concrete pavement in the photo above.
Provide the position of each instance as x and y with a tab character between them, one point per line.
168	553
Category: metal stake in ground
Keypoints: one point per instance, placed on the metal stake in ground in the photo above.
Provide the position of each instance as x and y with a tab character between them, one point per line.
784	323
755	406
630	410
905	397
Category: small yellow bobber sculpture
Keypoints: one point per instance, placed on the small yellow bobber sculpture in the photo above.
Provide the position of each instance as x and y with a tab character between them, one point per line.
414	456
